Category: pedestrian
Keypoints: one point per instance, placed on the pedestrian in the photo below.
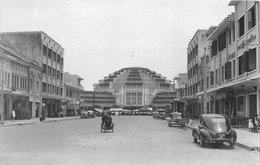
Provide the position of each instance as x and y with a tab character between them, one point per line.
13	116
44	111
250	125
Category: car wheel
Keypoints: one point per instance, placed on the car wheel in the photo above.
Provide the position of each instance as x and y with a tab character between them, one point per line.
195	140
244	124
202	142
231	144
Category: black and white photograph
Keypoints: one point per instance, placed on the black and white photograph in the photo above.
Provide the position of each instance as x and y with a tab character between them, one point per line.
129	82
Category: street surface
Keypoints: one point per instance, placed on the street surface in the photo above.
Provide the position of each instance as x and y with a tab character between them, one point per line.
135	140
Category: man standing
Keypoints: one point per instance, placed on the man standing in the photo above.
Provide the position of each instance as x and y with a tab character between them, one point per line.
13	115
43	111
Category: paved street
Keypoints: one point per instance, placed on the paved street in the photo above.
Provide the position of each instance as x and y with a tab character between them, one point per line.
135	140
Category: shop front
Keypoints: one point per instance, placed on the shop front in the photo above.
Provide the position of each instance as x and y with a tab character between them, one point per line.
18	103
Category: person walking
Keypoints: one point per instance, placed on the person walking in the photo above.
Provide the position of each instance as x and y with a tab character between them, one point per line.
13	116
44	112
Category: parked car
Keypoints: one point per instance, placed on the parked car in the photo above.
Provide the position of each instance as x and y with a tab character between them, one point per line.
177	120
214	128
87	114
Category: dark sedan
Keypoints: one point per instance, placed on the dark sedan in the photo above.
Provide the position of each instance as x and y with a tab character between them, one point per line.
214	128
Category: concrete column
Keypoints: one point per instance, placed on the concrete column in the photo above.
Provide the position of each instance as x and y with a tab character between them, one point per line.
258	99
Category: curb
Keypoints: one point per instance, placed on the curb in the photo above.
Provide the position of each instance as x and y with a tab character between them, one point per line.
247	147
33	122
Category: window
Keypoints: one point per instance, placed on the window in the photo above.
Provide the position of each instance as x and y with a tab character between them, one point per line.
50	53
207	82
251	59
222	74
37	85
233	33
58	58
30	83
214	48
211	78
222	41
251	18
54	56
234	68
241	26
44	50
216	74
44	87
229	36
44	67
247	62
228	70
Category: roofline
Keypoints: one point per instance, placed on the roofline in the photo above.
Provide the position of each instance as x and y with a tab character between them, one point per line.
199	30
23	32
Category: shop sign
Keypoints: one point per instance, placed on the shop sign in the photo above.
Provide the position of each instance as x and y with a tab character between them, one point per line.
231	56
246	42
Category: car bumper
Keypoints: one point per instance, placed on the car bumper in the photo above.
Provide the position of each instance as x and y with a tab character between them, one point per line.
232	140
173	124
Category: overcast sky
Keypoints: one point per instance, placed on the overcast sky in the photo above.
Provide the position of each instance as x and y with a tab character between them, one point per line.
103	36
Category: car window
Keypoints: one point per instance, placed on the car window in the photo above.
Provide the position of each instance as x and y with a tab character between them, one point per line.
218	120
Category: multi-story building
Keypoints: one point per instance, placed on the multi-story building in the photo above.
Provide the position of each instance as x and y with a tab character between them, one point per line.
72	91
134	87
231	67
19	85
247	57
218	67
195	51
180	84
96	99
49	55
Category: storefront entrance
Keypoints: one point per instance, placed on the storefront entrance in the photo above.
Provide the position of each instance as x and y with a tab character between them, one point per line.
252	105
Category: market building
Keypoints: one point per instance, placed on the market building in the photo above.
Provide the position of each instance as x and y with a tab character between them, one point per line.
135	87
49	55
96	100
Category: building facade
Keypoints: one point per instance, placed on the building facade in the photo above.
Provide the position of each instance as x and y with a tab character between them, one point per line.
96	99
180	85
19	88
229	72
49	55
195	51
72	92
134	87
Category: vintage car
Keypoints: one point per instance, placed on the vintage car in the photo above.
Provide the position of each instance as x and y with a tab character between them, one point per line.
177	120
214	128
87	114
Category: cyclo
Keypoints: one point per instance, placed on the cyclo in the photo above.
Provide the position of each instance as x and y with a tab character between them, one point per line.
107	123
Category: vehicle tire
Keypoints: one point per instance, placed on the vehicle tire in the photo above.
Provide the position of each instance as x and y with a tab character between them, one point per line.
244	124
231	144
195	140
202	142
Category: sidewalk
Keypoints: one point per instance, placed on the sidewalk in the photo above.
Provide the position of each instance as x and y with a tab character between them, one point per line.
36	120
245	139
